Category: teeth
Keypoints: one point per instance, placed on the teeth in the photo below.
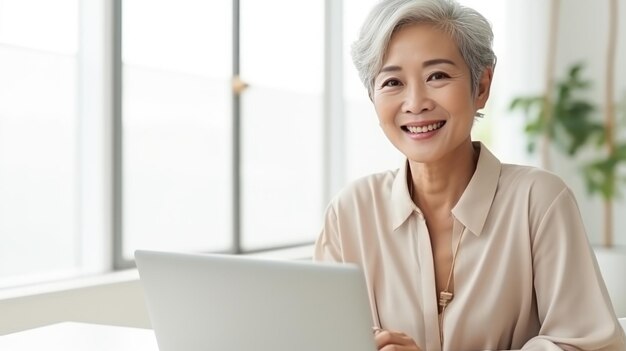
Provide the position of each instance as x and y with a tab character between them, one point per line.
424	129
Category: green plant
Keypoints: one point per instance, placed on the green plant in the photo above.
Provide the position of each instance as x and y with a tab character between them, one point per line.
602	175
569	124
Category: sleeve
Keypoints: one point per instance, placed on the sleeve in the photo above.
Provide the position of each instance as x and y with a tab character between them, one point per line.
327	246
572	301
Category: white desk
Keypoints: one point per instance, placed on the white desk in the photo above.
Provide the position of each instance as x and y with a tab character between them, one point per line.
71	336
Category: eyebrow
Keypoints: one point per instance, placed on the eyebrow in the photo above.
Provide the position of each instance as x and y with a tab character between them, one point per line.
425	64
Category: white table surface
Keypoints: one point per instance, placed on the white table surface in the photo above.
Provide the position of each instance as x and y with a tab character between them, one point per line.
72	336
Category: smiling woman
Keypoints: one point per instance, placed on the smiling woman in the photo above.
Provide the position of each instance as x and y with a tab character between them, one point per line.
425	81
442	255
367	150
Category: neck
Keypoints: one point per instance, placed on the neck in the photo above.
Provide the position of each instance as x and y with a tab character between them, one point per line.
439	185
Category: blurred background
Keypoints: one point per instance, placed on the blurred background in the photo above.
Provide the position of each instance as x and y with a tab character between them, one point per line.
228	125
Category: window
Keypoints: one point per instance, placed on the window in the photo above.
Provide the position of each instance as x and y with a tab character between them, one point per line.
176	125
282	59
38	140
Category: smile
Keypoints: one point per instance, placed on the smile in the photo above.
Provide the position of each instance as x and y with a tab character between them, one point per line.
423	129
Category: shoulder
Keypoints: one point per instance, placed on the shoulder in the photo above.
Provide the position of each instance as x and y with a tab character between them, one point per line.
375	187
532	181
513	183
535	192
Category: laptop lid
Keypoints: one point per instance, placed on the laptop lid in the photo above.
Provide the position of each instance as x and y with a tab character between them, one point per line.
225	302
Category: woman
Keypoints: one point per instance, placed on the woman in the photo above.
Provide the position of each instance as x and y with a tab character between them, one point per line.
459	251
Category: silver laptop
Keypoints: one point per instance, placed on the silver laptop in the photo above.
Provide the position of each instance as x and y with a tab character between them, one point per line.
224	302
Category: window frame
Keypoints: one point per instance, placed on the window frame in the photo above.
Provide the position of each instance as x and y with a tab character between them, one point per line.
333	126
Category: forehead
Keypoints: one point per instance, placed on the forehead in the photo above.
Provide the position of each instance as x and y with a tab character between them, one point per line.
422	42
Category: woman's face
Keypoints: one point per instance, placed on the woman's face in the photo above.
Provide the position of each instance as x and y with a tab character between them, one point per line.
423	94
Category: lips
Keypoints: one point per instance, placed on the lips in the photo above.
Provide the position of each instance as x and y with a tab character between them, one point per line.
423	128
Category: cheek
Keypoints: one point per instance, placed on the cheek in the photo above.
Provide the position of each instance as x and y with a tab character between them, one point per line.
384	110
461	105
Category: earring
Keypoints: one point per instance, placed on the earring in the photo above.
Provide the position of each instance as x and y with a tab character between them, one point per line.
480	115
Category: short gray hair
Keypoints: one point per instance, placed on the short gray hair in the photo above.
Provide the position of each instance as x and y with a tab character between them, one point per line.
468	28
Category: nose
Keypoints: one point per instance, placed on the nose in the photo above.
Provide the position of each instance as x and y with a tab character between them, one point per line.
417	100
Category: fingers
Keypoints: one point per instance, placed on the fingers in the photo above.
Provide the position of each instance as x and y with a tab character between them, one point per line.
394	341
399	348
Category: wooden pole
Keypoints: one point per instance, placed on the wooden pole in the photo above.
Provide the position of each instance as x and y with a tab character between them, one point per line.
548	109
609	116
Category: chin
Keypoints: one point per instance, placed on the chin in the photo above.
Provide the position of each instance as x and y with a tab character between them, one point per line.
421	154
421	157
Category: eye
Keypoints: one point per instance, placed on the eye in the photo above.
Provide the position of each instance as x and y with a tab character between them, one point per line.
438	76
392	82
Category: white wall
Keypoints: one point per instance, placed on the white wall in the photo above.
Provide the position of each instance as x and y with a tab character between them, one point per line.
114	299
520	70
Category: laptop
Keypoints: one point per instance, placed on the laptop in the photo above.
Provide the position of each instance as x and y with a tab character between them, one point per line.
225	302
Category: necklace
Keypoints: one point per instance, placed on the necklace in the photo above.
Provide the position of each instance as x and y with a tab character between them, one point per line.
446	295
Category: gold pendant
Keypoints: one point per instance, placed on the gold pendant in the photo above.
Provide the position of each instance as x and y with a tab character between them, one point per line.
444	298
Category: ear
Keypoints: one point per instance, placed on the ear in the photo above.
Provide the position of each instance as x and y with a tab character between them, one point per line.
484	87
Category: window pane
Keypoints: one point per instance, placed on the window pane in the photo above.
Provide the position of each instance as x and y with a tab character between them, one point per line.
38	142
40	24
176	125
281	121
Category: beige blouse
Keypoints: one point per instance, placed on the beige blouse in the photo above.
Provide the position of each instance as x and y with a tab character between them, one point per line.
525	277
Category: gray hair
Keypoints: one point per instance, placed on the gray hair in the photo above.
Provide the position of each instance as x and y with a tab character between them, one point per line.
468	28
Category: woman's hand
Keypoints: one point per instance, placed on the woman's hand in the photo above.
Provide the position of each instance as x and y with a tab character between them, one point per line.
387	340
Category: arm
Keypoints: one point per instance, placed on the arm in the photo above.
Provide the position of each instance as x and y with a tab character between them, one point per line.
572	301
327	246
